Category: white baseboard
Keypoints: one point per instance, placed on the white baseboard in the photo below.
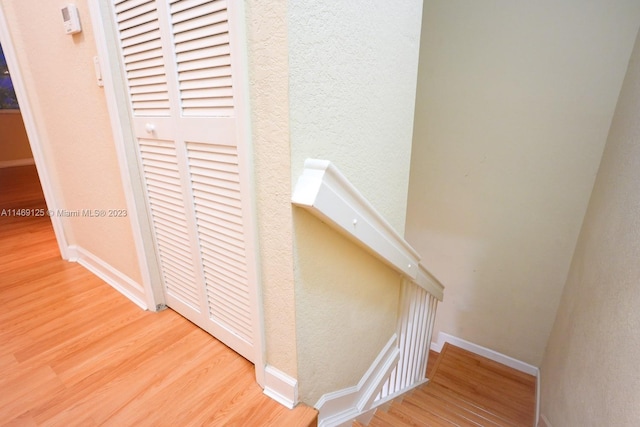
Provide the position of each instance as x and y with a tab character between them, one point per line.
280	387
485	352
116	279
18	162
340	408
544	422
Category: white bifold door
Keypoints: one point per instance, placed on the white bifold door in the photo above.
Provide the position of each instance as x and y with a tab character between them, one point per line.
185	79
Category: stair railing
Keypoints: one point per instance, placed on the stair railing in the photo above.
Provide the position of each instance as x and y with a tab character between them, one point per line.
418	303
327	194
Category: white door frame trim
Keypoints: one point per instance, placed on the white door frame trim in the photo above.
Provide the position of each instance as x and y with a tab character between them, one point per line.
245	147
36	139
121	127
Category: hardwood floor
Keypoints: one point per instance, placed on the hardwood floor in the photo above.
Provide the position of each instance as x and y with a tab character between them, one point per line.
75	352
465	390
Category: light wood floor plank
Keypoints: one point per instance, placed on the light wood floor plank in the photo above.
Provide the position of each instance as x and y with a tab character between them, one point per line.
436	408
21	420
127	347
87	381
25	384
442	398
71	337
187	353
417	416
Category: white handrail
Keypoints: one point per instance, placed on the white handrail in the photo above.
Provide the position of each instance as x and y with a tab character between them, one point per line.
325	192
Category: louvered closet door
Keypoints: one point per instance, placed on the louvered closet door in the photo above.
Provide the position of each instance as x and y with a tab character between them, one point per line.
178	57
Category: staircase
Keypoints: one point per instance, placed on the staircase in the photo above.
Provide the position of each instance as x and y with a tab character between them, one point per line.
465	390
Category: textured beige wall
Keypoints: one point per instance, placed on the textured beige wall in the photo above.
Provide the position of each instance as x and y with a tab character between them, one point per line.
513	107
73	123
353	67
590	371
346	308
268	74
353	70
14	144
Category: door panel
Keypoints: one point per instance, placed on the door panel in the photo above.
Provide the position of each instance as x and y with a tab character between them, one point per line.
179	64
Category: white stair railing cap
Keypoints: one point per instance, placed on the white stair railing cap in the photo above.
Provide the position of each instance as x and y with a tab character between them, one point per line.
327	193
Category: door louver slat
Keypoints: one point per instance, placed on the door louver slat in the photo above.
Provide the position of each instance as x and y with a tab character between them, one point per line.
180	5
222	93
146	96
149	80
228	282
228	277
145	64
227	246
158	109
224	163
139	48
205	52
209	201
169	190
198	17
199	35
179	268
222	259
143	56
221	229
203	63
138	30
124	5
232	305
159	163
171	226
233	311
218	198
221	189
178	259
138	77
210	41
141	19
168	219
209	82
229	316
219	215
134	11
159	185
177	287
208	73
147	38
162	183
